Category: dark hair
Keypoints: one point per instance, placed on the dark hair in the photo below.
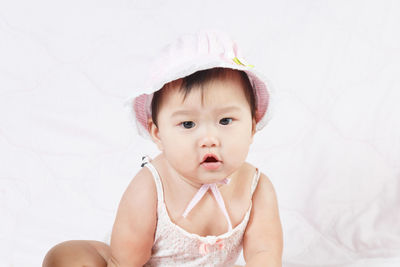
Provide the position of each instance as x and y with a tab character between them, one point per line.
200	78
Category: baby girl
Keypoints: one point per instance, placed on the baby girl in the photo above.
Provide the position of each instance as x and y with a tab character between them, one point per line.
197	203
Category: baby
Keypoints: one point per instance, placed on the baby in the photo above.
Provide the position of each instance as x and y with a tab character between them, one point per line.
197	203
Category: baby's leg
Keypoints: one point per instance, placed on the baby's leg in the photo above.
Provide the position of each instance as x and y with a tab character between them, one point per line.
76	253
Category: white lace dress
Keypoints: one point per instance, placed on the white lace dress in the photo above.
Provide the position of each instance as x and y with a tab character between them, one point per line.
174	246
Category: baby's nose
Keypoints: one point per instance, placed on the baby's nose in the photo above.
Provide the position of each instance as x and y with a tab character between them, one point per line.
209	140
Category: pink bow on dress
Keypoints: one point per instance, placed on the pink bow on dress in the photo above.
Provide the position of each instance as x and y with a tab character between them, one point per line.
204	247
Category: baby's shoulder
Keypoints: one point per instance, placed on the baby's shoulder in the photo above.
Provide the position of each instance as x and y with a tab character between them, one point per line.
143	180
142	190
263	185
244	178
250	171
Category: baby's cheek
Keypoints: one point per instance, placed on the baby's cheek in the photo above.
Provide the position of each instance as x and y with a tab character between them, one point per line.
179	151
239	147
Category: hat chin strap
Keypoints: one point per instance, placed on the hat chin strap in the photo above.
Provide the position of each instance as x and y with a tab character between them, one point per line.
218	197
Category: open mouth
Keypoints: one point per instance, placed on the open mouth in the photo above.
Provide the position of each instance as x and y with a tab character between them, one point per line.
211	162
211	159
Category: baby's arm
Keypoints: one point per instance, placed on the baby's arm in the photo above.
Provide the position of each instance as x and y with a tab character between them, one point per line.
263	239
133	231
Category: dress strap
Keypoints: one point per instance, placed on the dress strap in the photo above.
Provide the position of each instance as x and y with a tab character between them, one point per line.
255	181
146	161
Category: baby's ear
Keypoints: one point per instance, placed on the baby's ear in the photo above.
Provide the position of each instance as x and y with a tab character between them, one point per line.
154	133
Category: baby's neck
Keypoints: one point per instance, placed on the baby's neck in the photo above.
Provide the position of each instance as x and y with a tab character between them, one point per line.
189	182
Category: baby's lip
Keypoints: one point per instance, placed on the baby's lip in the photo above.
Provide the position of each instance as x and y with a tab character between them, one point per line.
211	156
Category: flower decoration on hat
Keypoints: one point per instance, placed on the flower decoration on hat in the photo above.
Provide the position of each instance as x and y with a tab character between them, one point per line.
239	62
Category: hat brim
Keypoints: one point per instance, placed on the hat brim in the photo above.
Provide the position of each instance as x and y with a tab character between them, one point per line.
140	106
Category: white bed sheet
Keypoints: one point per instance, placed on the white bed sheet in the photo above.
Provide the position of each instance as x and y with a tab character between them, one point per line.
332	150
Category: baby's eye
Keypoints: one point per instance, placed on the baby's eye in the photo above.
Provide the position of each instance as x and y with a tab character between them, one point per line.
187	124
225	121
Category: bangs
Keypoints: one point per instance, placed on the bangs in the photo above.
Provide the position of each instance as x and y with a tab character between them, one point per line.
201	79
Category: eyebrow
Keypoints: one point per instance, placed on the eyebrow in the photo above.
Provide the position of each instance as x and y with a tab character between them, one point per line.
219	110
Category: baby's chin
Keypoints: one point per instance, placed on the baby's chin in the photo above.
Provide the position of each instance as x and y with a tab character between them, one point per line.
211	180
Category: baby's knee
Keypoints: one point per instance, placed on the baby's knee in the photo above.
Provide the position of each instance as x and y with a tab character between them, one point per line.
58	255
73	253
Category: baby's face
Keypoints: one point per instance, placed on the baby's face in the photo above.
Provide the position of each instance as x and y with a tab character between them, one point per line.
221	125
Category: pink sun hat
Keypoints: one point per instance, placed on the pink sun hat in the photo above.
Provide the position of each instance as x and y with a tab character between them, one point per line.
192	53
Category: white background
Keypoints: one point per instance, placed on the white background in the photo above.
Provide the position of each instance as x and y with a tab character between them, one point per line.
332	150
